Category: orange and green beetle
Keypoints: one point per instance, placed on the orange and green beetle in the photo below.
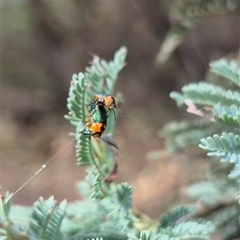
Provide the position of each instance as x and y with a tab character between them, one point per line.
97	122
106	100
109	102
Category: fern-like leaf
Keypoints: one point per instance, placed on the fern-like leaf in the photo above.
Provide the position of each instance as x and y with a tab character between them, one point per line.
190	230
185	15
76	99
227	146
99	77
76	116
177	97
5	208
95	238
124	195
175	128
99	190
147	235
227	115
229	70
179	135
169	219
14	220
48	218
104	236
224	105
172	41
102	76
119	207
207	94
227	222
235	174
83	150
206	191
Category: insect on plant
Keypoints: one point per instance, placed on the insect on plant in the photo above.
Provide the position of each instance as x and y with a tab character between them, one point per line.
97	121
109	102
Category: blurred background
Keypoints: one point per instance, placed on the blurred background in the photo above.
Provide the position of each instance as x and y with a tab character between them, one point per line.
170	43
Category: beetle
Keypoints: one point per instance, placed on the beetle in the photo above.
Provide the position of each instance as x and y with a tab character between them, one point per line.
97	122
108	101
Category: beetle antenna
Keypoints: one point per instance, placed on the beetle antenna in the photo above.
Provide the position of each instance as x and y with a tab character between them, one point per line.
124	114
114	115
108	142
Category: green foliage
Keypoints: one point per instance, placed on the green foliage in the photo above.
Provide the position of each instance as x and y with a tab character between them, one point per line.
174	225
235	173
205	191
96	239
108	236
124	196
229	70
45	220
169	219
216	105
5	208
206	94
145	235
100	77
109	214
227	115
190	230
185	230
115	206
106	212
220	118
227	221
93	219
227	146
48	217
180	135
185	16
